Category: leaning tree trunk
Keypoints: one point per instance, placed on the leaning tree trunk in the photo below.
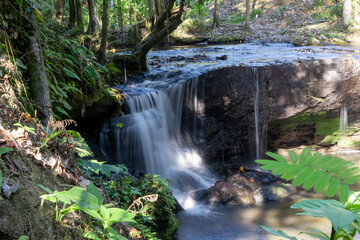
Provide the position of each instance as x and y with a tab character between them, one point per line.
247	19
72	13
93	23
36	72
347	12
79	16
158	33
216	20
101	52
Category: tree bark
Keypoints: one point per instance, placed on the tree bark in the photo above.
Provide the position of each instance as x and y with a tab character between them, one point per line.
347	12
36	72
150	6
101	52
158	33
79	16
72	13
93	23
60	6
247	19
216	20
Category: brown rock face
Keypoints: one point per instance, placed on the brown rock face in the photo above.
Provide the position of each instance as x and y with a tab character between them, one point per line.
278	92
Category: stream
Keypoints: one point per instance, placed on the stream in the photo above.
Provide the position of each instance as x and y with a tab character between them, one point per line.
153	138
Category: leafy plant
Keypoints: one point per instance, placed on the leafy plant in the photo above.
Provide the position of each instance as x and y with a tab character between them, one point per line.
27	128
5	150
93	166
321	173
91	202
70	138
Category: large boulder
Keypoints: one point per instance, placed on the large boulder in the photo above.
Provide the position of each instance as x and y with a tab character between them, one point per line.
245	187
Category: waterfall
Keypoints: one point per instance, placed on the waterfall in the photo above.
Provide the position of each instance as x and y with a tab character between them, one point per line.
151	139
343	118
256	112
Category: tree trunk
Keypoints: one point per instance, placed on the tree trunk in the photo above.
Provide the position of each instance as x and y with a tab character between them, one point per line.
101	52
216	20
158	33
93	23
247	19
60	6
36	72
79	16
150	6
71	13
158	8
347	12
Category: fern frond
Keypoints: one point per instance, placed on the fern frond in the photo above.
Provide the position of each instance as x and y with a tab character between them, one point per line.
314	171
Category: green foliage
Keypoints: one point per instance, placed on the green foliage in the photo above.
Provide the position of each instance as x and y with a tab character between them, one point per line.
28	129
91	202
5	150
70	138
315	171
321	172
197	11
330	13
93	166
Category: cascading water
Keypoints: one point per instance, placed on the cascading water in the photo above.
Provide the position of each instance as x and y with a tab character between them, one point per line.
256	112
343	118
152	140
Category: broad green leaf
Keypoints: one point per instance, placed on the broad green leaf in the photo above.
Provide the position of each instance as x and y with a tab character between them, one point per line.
315	233
113	235
312	207
120	215
104	213
71	74
79	196
38	14
73	58
339	217
92	189
91	235
4	150
277	233
23	237
305	155
94	214
49	197
277	157
119	125
20	64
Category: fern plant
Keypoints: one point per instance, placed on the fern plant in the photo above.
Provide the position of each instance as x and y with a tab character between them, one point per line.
314	171
321	173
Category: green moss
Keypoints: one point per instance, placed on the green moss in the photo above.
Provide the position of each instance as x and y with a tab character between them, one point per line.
327	126
324	126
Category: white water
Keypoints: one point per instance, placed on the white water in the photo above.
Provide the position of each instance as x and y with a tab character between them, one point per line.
256	112
343	118
152	137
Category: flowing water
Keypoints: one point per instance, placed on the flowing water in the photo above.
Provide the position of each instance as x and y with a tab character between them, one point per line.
153	137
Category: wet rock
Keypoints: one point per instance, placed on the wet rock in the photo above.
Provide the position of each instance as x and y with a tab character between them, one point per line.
247	187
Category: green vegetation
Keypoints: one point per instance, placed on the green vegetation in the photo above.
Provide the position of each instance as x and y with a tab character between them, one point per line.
321	173
235	18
